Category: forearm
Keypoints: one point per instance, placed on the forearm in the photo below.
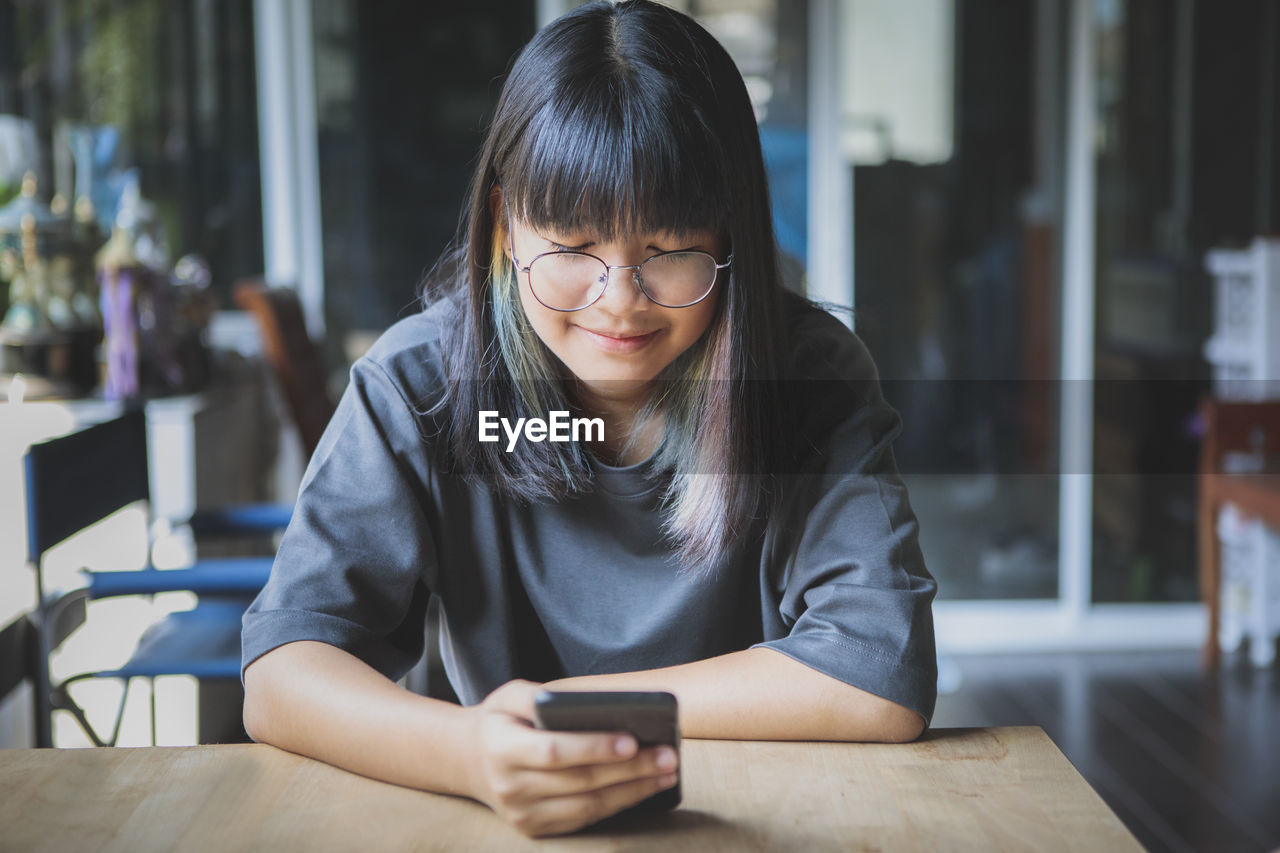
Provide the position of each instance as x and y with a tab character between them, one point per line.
760	694
317	700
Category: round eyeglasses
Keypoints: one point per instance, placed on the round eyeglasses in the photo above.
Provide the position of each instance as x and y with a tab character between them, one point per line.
570	280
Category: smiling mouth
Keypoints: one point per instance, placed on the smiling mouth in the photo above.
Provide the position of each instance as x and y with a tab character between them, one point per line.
619	342
618	336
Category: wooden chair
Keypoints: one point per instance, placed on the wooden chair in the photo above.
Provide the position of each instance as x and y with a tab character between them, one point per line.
1232	427
293	356
299	366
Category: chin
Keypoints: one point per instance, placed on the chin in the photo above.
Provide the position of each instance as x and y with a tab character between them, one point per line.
615	384
592	366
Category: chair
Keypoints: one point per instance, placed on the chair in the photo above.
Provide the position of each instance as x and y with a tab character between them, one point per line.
293	356
74	482
299	367
240	520
1233	427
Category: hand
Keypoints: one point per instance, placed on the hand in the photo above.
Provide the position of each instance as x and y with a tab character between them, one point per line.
548	783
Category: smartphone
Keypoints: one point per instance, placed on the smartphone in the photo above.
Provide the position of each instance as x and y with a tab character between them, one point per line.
650	716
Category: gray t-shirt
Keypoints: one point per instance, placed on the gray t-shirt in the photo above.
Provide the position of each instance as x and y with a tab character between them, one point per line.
587	585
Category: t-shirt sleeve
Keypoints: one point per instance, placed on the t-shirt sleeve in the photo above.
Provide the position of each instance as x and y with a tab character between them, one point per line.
357	561
854	597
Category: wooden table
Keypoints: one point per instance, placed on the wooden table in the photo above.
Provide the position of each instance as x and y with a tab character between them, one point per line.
976	789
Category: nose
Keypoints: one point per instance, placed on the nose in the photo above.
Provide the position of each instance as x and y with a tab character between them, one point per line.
623	294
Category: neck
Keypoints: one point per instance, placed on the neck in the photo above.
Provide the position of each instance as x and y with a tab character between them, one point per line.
619	412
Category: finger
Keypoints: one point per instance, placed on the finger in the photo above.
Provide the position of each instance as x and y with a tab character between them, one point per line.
537	749
648	763
566	814
515	698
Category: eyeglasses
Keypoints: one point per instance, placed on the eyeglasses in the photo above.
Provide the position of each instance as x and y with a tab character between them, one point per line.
570	280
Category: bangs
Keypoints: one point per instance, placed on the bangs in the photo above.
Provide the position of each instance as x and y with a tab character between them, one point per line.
616	158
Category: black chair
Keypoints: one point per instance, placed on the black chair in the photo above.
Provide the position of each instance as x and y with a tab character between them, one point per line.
74	482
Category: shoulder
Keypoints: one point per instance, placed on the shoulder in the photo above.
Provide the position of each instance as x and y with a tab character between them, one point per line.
409	354
394	392
830	384
820	348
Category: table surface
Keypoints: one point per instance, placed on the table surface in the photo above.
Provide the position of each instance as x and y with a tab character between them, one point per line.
978	789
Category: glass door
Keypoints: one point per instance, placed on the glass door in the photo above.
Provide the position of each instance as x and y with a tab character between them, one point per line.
952	119
1185	99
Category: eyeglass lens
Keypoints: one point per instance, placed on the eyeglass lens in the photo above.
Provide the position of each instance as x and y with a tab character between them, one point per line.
571	280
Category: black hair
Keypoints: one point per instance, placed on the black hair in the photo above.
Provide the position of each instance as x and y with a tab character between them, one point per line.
620	117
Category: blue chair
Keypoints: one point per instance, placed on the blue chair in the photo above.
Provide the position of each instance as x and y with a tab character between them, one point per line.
76	481
241	520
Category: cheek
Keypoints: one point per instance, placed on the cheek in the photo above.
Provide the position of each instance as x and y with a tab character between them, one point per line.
549	325
698	323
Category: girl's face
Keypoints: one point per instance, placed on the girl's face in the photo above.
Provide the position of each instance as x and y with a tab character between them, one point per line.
619	343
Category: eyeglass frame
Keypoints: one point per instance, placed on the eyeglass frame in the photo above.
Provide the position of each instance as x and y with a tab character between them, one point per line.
609	268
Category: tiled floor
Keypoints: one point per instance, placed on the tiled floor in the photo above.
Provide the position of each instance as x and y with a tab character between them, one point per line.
1189	761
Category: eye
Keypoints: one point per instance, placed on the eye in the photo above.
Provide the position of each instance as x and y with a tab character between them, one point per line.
565	247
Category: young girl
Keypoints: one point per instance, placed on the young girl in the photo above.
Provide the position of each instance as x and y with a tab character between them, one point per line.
738	536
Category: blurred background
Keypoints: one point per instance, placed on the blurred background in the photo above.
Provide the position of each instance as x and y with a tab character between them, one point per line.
1056	221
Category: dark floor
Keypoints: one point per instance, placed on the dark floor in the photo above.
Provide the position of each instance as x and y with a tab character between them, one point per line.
1189	761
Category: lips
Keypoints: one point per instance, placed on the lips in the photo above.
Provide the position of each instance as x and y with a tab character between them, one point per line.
618	341
622	336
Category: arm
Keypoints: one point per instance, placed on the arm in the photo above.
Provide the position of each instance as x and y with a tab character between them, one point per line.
317	700
849	650
342	617
761	694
